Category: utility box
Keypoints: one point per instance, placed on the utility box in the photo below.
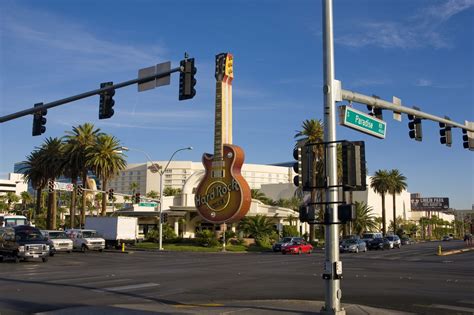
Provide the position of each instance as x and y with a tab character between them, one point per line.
115	230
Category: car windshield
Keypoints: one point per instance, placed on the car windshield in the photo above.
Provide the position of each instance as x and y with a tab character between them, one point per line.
89	234
368	236
390	238
57	235
286	239
350	241
29	235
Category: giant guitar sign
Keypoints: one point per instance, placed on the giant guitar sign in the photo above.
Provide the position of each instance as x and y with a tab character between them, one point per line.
223	195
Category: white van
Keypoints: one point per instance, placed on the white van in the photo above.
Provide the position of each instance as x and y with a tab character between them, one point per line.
7	220
85	240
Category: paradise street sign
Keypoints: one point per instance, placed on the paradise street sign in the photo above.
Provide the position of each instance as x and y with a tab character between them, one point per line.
360	121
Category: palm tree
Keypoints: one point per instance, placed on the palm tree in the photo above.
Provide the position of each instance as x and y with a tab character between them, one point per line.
170	191
152	194
81	138
25	200
12	198
103	158
133	188
397	185
365	220
380	183
258	226
256	194
52	161
34	174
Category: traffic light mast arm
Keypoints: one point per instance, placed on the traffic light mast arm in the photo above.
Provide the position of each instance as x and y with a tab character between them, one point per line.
77	97
377	102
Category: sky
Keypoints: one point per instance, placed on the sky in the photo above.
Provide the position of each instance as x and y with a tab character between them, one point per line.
421	51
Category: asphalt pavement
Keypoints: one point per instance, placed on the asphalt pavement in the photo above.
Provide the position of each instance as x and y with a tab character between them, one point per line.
412	279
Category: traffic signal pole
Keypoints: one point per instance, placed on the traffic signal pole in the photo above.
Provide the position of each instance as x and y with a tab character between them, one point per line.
87	94
332	265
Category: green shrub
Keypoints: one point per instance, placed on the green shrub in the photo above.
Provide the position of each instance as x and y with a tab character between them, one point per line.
207	238
289	230
168	234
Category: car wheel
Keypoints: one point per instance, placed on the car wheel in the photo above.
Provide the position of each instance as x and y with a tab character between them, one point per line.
69	251
1	258
309	252
283	253
83	248
365	249
357	250
51	254
101	250
45	259
16	259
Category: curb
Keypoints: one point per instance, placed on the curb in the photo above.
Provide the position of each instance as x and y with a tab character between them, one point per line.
456	251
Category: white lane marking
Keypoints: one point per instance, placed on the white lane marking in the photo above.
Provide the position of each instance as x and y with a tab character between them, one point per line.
103	281
127	287
80	278
453	308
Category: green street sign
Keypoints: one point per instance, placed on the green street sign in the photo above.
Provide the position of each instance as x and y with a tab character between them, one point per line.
147	204
360	121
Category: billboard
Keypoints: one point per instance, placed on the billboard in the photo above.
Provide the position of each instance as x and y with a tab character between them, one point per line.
430	204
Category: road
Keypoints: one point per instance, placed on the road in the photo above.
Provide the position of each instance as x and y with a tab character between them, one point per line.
411	279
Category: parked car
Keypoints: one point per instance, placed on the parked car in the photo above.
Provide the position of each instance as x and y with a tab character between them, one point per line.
367	237
447	238
23	242
58	241
394	241
297	247
406	240
85	240
285	241
353	245
376	243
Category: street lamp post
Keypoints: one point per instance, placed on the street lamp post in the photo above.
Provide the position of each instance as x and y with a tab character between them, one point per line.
161	171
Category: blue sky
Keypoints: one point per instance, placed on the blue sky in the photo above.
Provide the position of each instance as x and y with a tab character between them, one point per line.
420	51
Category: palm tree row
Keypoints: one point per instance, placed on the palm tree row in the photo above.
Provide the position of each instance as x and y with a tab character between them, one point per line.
392	182
80	151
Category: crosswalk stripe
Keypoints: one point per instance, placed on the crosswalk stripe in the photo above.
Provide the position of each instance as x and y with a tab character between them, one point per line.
127	287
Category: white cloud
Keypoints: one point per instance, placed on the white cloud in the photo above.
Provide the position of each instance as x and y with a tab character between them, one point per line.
423	82
419	30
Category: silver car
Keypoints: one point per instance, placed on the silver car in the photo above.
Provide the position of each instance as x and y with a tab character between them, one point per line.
393	241
58	241
353	246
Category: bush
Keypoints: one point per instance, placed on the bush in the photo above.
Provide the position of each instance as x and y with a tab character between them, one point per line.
207	238
168	234
289	230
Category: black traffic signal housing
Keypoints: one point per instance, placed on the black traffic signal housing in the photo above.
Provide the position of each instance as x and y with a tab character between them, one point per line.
303	167
51	186
446	134
164	217
187	81
468	142
297	167
39	121
110	194
346	213
80	190
307	213
106	101
375	112
354	170
137	198
415	128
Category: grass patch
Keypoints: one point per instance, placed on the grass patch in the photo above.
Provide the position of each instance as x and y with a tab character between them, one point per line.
183	247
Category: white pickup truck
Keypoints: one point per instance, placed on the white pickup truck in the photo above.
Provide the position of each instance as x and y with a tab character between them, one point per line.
84	240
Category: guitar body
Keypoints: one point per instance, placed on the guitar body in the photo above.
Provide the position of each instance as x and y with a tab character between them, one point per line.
223	195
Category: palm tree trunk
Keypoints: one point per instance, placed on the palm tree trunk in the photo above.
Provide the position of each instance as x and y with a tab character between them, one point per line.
104	197
51	214
72	209
38	201
384	223
394	216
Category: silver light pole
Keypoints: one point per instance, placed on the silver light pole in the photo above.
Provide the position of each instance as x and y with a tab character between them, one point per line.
162	171
332	265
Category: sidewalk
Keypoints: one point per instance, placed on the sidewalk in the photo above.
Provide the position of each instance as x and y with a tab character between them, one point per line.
229	307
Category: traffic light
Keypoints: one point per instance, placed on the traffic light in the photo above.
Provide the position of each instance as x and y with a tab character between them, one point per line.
307	213
39	121
468	140
137	198
106	101
164	217
415	128
111	194
354	171
375	111
50	186
80	190
187	80
446	135
346	213
304	156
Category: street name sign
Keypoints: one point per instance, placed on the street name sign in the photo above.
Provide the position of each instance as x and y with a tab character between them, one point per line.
363	122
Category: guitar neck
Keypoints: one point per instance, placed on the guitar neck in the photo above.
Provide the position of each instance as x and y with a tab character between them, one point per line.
223	118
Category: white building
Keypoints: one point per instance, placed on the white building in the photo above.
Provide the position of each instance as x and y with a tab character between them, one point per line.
15	184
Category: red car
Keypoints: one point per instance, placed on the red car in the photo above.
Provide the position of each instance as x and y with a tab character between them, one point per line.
298	247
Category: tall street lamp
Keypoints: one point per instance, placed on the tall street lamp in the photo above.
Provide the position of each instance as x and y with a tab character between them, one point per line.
157	168
162	171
